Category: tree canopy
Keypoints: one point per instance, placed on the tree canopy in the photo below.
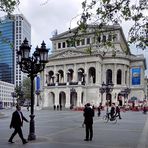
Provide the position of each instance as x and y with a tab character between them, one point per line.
8	6
26	88
110	12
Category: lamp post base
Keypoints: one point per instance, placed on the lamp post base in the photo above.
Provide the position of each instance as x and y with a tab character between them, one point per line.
31	136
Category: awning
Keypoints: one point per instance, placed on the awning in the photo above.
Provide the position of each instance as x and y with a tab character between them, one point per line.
133	98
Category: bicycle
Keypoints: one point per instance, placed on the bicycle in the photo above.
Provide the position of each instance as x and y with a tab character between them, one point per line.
108	118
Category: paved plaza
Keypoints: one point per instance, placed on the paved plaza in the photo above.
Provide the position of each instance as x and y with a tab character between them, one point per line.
56	129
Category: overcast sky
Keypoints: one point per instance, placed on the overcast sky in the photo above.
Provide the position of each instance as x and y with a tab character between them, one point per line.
47	15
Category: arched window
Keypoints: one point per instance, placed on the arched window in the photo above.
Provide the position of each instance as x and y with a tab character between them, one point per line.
108	76
50	77
81	74
104	38
61	76
70	75
92	75
119	76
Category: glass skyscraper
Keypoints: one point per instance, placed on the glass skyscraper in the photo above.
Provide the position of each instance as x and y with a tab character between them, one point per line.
7	51
13	30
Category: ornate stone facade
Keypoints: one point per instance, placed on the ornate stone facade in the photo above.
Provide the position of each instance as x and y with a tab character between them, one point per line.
72	77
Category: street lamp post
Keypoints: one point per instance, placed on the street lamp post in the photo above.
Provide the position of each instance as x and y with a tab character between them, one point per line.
32	66
106	88
126	93
101	90
37	93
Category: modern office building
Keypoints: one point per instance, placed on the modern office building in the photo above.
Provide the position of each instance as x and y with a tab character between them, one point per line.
6	99
73	76
13	30
7	55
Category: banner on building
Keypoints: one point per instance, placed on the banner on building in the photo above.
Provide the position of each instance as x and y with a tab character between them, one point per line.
136	74
37	84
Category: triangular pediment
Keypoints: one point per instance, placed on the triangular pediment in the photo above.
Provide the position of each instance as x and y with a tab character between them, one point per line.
67	54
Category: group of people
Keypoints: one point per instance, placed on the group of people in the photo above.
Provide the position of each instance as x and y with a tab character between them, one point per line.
58	107
112	111
89	113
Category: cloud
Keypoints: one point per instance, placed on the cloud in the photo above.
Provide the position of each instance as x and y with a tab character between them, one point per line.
47	15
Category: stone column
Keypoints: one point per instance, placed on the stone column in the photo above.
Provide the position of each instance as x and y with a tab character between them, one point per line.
55	70
65	74
129	75
55	76
123	74
86	72
45	99
103	74
56	97
44	78
67	105
98	73
75	73
115	75
79	98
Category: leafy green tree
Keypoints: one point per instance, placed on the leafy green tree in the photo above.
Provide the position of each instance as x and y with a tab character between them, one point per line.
26	88
19	93
8	6
110	12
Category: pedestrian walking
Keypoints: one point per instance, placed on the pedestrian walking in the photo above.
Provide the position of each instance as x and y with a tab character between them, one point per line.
88	121
144	108
28	107
54	107
99	111
118	112
60	106
112	110
57	107
17	123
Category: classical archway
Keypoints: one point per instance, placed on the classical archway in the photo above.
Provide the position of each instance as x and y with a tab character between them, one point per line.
62	99
51	99
73	97
108	76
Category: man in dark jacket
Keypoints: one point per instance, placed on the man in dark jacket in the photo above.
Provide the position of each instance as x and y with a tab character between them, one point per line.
88	121
17	123
118	112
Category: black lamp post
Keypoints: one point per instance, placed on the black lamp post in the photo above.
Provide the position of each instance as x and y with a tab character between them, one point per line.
32	66
37	93
101	90
125	93
106	88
